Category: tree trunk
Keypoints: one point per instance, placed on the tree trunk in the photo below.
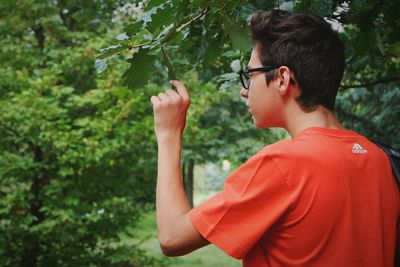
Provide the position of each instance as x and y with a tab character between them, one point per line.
31	244
187	173
40	37
189	185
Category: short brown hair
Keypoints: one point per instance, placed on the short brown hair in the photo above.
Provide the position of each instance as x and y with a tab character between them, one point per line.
306	44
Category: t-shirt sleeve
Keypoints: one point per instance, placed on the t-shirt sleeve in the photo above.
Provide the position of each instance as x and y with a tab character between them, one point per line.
254	197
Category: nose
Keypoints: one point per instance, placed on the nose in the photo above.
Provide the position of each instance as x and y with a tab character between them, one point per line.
244	92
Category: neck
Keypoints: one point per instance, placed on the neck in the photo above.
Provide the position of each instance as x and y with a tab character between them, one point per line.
298	120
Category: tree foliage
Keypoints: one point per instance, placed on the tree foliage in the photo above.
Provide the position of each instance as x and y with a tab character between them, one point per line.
208	36
78	153
76	147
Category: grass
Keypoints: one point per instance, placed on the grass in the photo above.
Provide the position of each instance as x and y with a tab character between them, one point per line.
206	256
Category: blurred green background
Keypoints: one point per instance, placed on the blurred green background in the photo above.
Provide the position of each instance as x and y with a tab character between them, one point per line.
77	147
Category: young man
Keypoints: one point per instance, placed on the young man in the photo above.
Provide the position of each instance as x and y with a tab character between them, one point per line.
327	197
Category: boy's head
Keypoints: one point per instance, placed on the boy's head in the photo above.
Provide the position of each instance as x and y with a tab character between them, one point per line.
308	46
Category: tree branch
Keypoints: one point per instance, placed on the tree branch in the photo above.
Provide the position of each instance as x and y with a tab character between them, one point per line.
202	13
165	38
384	80
349	60
40	37
67	18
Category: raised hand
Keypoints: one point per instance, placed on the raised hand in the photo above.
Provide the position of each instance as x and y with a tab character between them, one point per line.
170	108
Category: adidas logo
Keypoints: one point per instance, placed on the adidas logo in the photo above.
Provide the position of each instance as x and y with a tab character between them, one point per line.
358	149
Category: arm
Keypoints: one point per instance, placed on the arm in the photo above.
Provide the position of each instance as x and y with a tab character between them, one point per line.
176	234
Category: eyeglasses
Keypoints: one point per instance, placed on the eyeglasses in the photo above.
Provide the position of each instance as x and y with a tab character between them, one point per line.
244	74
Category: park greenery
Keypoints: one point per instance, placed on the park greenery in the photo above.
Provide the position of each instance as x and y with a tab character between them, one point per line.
77	147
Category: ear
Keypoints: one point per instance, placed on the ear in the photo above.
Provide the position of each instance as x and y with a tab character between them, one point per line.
283	76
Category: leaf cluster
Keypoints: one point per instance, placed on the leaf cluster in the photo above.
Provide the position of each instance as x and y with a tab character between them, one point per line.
209	36
76	146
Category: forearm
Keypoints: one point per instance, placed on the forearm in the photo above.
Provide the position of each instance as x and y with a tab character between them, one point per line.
176	233
171	201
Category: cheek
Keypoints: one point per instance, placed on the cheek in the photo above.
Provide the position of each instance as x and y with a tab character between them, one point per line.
266	111
252	103
257	109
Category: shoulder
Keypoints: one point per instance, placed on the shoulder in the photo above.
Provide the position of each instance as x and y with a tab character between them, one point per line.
267	160
262	163
286	155
284	147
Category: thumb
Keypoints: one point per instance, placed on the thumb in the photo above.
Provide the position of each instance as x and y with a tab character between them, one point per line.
181	89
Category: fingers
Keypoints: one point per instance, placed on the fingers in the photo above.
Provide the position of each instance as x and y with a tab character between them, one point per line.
172	95
155	100
181	89
163	96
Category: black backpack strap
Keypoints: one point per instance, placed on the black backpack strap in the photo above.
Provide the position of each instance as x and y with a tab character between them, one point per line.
394	157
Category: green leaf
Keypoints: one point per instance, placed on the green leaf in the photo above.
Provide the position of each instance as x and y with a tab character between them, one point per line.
164	15
132	28
112	50
360	5
379	43
237	33
213	49
122	36
321	7
301	6
100	65
318	7
141	69
153	4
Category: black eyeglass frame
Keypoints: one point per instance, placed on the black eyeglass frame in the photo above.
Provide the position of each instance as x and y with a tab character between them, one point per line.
244	74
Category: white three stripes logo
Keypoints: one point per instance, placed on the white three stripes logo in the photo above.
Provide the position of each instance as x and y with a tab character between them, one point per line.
358	149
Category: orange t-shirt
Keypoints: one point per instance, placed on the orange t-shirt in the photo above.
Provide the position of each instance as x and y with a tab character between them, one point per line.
326	198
